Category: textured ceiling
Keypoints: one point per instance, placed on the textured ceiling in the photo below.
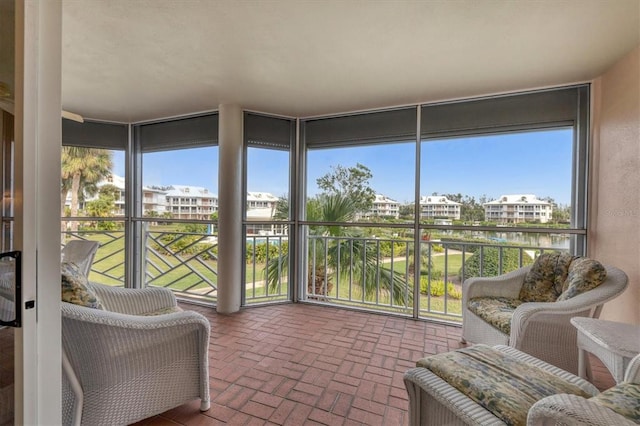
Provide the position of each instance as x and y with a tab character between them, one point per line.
133	60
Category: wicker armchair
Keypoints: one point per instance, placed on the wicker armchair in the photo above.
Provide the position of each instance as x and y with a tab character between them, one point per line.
126	362
572	410
80	252
541	329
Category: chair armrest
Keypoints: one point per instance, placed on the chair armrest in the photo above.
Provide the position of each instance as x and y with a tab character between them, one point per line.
534	319
572	410
134	301
556	314
633	370
506	285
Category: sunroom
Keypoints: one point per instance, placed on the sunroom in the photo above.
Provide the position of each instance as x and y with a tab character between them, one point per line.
244	147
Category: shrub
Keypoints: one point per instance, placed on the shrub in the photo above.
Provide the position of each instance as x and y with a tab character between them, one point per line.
437	288
437	248
258	252
399	248
491	262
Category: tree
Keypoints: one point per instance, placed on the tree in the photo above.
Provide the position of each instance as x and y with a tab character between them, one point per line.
406	211
281	209
351	182
104	206
82	169
344	252
561	214
470	210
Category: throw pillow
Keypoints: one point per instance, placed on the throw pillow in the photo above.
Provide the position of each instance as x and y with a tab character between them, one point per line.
543	282
75	287
584	274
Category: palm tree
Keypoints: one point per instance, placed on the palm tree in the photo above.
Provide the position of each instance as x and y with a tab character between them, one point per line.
341	252
82	169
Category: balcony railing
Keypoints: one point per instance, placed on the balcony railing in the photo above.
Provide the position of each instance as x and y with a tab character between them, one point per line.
370	273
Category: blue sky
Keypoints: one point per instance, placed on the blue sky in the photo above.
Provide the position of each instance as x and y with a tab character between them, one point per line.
516	163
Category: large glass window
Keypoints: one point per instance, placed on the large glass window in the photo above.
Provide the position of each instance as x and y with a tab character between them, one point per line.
93	189
358	215
499	179
177	205
268	208
387	210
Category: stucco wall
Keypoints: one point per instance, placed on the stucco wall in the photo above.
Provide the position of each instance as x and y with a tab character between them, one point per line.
615	199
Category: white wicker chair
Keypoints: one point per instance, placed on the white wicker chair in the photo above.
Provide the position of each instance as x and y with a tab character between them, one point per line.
572	410
80	252
541	329
120	366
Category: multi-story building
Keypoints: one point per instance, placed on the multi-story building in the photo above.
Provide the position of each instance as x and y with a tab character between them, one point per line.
261	207
518	208
439	207
384	206
261	200
191	202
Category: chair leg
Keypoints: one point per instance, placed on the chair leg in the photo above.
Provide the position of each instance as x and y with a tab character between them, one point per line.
205	405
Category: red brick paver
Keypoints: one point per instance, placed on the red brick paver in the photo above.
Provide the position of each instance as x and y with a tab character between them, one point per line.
302	364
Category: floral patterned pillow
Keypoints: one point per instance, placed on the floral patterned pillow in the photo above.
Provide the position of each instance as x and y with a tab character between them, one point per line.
584	274
544	281
623	399
75	287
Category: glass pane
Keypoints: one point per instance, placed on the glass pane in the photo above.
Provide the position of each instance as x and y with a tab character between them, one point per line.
180	208
268	179
267	237
93	188
181	184
373	183
515	179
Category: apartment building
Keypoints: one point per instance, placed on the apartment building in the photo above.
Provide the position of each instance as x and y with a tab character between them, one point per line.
191	202
384	206
439	207
518	208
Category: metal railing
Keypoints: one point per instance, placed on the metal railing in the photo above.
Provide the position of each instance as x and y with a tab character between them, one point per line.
185	262
365	272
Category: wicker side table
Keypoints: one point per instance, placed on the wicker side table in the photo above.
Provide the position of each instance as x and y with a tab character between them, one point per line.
614	343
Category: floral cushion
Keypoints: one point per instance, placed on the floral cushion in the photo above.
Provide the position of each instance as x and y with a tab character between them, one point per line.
167	310
501	383
496	311
75	287
584	274
544	281
624	399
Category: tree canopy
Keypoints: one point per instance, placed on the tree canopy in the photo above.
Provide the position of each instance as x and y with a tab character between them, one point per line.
82	169
352	182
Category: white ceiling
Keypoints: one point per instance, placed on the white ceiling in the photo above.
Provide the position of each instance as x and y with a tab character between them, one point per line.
134	60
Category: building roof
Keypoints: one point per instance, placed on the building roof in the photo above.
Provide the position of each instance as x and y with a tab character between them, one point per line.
517	199
261	196
384	199
438	200
190	191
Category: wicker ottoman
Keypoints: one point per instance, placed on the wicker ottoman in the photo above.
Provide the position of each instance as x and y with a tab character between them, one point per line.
432	401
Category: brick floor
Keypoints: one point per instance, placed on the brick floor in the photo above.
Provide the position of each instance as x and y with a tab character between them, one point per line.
301	364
